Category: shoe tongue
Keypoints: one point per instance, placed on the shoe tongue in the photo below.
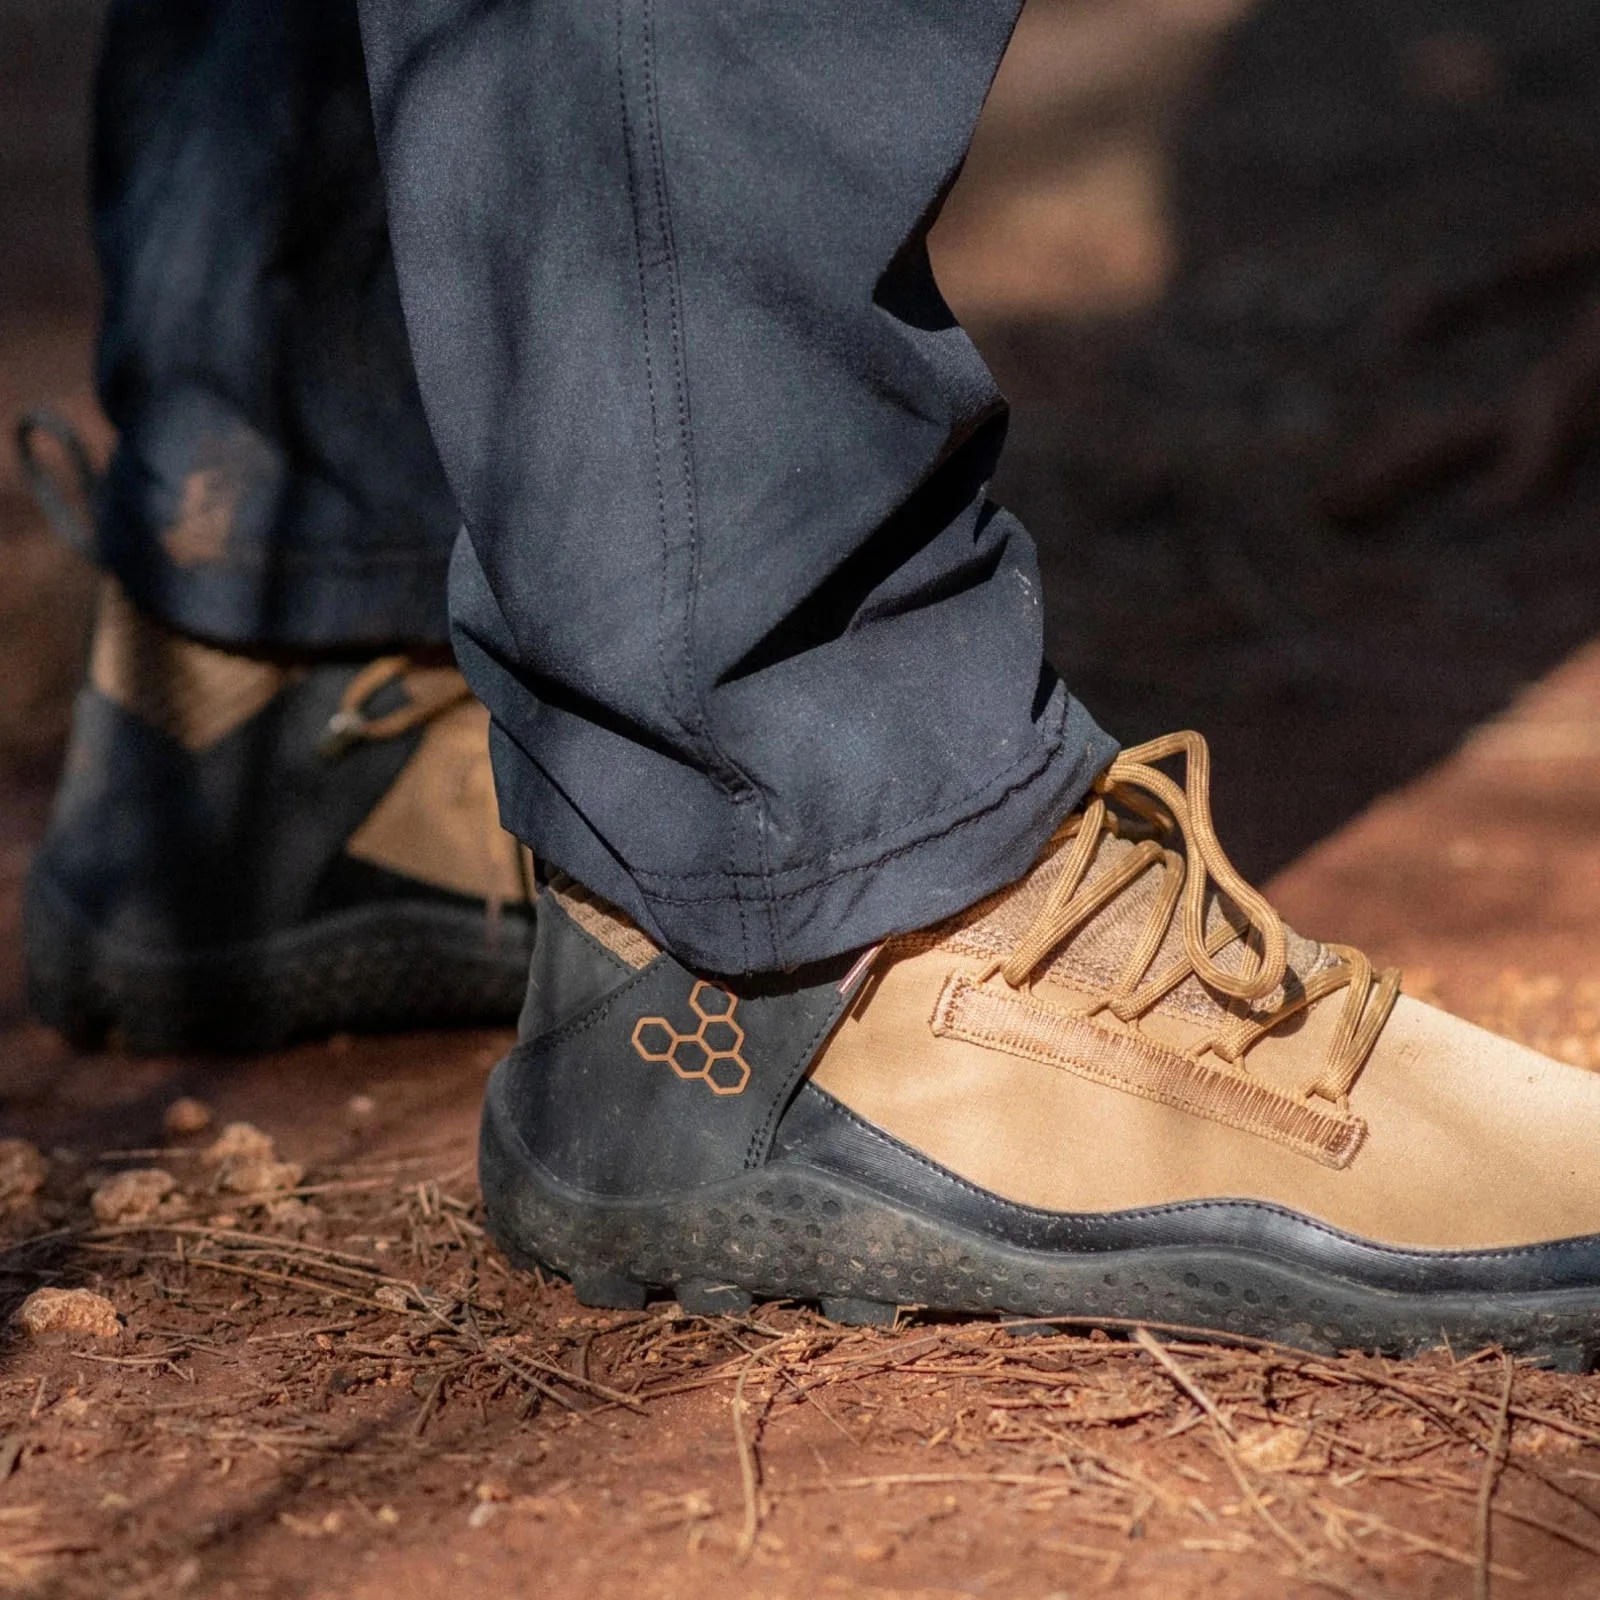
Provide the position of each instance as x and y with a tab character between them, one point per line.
1094	957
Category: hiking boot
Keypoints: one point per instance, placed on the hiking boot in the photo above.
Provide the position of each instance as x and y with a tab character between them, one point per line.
244	851
1118	1091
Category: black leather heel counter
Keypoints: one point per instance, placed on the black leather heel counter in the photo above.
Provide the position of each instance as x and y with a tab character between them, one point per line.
177	849
651	1082
569	972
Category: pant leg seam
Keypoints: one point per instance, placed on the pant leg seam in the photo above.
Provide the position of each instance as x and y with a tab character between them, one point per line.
630	163
727	774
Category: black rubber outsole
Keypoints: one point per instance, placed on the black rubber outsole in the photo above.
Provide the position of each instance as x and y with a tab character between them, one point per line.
792	1232
387	967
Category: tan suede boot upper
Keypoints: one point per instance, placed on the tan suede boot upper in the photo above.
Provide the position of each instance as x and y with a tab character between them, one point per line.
1131	1027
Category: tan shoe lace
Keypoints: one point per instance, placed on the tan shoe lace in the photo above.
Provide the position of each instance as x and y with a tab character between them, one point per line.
429	694
1160	809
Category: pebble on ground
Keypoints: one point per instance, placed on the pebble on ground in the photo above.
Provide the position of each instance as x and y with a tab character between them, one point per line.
69	1311
133	1196
22	1174
186	1116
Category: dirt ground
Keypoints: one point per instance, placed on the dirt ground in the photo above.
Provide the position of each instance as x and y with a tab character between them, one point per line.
1297	303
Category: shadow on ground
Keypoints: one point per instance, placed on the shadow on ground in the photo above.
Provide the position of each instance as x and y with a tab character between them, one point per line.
1331	497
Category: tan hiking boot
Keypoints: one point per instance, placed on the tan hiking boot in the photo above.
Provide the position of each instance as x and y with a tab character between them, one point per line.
1119	1090
243	851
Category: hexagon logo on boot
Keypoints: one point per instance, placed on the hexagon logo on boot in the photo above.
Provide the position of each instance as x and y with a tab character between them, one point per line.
713	1053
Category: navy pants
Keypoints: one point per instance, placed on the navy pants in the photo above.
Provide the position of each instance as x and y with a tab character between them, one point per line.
674	403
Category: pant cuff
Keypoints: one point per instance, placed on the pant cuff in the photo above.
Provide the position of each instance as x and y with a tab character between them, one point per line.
838	903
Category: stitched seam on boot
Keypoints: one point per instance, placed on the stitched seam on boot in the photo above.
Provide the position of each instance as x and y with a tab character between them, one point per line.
761	1139
1023	1027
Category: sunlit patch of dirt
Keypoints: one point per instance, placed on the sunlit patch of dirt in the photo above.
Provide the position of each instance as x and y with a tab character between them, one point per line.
357	1392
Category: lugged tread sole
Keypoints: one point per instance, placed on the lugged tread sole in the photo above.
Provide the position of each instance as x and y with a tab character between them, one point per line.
387	967
796	1233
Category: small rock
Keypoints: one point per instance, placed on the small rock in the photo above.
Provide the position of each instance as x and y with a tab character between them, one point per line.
22	1173
1270	1448
241	1141
247	1162
874	1550
187	1116
133	1196
1540	1440
391	1297
259	1176
313	1526
482	1514
361	1109
292	1215
48	1311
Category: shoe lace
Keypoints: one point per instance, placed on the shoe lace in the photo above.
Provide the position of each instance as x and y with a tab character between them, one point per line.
66	492
1161	809
428	695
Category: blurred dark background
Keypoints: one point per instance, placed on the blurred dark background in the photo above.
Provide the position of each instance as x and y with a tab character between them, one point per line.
1298	302
1299	305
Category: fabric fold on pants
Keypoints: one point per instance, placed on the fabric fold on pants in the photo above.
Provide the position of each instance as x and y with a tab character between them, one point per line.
765	661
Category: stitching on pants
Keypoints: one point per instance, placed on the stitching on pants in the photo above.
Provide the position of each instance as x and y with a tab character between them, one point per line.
657	178
1038	760
644	317
732	779
724	773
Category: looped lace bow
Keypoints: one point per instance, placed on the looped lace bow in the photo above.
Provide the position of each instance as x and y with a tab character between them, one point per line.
1160	809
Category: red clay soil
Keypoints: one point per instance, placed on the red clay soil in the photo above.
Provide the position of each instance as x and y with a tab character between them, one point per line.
1218	313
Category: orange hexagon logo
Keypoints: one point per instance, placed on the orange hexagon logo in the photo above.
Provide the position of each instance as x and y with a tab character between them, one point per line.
713	1054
